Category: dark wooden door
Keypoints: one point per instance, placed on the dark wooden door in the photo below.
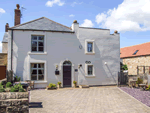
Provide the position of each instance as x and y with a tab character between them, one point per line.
67	76
3	72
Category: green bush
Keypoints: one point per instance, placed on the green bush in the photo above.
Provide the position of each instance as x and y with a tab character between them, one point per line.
12	89
139	81
17	79
59	83
21	90
74	82
51	85
124	67
2	89
8	84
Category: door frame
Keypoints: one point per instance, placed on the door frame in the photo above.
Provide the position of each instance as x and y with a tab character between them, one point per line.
72	72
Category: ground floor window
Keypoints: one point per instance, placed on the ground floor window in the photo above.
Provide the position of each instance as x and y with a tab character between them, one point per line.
37	71
90	69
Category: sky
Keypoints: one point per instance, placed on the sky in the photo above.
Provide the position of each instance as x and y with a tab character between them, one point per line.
131	18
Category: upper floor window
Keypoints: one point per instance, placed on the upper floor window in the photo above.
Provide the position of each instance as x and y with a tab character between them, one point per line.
37	43
90	47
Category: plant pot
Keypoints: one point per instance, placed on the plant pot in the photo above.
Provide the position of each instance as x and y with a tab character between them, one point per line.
58	86
74	85
50	88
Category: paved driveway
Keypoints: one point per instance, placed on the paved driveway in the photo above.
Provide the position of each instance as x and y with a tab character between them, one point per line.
91	100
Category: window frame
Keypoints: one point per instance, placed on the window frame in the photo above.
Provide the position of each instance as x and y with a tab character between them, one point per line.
37	47
45	71
86	70
86	47
37	68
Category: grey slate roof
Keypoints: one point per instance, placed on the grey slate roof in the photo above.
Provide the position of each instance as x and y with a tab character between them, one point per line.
5	37
42	23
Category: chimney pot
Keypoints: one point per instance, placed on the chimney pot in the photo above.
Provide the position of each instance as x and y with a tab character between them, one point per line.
18	6
6	27
75	21
17	15
115	31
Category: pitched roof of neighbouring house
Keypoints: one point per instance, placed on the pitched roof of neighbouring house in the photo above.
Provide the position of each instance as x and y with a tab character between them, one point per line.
143	49
42	23
5	37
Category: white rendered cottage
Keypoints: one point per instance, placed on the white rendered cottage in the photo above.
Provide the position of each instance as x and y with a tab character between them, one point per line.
47	52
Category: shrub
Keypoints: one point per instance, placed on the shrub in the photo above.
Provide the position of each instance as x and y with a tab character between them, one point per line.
54	85
139	81
51	85
12	89
74	82
124	67
8	84
17	79
59	83
2	89
7	89
148	88
21	90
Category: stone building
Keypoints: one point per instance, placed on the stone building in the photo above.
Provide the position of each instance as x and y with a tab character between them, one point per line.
137	55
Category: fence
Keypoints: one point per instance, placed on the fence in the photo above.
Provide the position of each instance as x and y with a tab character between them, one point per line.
123	78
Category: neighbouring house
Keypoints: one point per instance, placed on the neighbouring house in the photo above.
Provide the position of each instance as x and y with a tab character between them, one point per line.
46	52
137	58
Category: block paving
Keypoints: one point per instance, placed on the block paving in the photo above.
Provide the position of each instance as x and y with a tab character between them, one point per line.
87	100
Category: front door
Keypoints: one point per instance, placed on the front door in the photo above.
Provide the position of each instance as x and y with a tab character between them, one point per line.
67	76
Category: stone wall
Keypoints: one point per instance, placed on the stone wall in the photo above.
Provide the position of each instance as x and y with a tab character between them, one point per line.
12	102
133	62
3	58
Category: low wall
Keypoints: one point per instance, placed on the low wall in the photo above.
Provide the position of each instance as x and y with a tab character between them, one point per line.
11	102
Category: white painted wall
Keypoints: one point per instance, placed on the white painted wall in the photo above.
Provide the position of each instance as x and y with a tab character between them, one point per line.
62	46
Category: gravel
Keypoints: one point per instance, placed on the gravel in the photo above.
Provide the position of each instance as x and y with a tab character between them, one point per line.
143	96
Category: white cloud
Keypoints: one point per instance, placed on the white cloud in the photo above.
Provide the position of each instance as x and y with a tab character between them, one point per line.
52	2
71	15
2	10
87	23
75	3
130	15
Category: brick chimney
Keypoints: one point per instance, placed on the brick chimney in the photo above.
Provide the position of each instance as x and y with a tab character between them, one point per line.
17	15
6	27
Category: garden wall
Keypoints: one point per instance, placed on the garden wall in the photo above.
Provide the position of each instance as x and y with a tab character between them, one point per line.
14	102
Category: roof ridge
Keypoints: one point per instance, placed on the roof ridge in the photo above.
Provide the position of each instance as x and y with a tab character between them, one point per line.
135	45
27	22
58	23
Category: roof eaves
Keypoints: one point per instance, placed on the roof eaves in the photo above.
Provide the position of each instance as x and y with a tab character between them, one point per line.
42	30
94	28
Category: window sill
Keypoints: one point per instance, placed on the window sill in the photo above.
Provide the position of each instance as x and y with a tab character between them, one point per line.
40	82
92	53
36	53
90	76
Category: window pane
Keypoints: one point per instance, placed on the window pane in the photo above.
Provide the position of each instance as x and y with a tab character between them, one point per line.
34	37
41	65
34	48
41	38
40	48
34	43
90	47
33	77
33	71
90	70
40	71
33	65
40	44
41	77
